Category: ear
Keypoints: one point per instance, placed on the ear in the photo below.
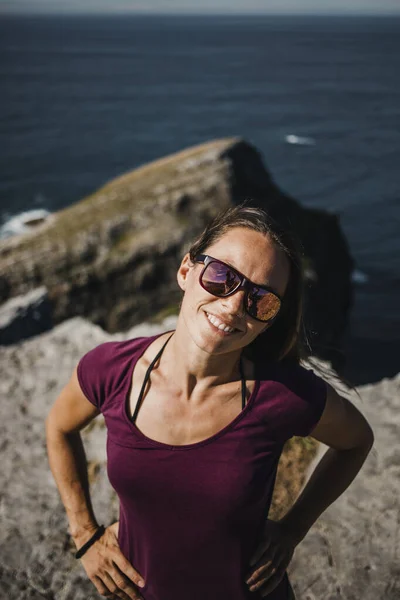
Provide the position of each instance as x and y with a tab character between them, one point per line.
183	271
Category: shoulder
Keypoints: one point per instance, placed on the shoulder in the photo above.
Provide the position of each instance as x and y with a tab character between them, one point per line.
296	378
342	425
110	355
102	369
302	380
295	393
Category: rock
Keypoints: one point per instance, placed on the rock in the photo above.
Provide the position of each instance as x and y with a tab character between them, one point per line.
25	316
352	550
112	257
36	553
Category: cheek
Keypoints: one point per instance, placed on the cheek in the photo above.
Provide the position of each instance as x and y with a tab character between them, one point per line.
255	329
193	296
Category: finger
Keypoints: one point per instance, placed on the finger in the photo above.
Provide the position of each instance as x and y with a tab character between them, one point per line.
268	558
267	587
113	590
262	580
100	587
264	571
127	569
124	585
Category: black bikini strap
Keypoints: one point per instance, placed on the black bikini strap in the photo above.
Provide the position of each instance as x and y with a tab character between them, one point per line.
243	382
153	362
146	378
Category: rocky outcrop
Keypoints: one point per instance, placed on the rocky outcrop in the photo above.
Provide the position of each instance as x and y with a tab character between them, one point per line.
351	552
112	257
353	549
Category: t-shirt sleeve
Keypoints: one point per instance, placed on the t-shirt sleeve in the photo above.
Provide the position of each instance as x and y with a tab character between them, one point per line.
312	391
93	374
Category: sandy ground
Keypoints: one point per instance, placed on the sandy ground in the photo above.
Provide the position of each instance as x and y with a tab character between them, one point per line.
352	552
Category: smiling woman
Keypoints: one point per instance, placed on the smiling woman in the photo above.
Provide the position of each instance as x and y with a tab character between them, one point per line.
197	419
282	251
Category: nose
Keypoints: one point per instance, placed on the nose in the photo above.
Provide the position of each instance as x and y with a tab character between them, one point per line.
234	304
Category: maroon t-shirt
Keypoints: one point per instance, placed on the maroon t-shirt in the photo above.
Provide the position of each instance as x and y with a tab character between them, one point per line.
191	515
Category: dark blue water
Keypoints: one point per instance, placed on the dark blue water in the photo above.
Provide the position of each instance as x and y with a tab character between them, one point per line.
86	98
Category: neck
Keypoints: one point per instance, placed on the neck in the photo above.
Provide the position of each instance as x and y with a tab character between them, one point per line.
195	368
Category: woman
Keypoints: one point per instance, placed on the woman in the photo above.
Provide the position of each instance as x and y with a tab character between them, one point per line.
196	421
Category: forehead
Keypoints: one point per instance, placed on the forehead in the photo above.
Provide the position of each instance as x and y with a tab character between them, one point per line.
255	255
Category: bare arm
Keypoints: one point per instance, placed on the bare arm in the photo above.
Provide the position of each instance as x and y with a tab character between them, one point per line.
68	415
350	438
105	565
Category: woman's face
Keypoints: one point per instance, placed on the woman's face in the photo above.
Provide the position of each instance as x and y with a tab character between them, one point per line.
260	260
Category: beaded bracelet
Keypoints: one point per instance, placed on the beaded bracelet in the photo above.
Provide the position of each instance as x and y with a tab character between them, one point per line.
93	539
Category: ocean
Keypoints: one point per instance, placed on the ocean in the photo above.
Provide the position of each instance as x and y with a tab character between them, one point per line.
85	99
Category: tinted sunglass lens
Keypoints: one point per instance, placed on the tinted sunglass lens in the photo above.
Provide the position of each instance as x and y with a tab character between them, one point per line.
262	304
219	279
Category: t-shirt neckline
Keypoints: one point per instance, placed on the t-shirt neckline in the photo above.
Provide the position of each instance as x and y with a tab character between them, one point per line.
218	434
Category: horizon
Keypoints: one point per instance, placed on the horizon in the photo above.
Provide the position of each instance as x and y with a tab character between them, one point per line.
83	13
225	8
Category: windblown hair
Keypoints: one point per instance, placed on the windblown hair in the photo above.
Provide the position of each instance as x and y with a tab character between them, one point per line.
285	339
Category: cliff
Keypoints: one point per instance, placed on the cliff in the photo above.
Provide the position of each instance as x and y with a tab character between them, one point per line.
112	257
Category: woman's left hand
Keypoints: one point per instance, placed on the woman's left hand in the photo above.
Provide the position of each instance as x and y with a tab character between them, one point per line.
271	558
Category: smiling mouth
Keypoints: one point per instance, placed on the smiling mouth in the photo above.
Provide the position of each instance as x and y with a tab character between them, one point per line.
220	325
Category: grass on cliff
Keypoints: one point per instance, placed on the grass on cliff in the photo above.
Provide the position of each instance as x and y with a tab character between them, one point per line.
295	461
121	197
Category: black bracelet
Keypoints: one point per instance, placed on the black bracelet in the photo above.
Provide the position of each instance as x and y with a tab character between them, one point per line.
94	538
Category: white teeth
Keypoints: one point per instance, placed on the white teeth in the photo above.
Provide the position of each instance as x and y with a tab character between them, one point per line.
219	324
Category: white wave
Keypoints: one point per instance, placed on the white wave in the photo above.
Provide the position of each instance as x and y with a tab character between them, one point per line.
358	276
300	141
24	222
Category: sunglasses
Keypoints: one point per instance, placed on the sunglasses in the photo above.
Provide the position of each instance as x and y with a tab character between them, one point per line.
221	280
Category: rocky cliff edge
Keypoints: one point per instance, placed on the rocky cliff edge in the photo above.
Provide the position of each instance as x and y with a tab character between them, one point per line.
112	257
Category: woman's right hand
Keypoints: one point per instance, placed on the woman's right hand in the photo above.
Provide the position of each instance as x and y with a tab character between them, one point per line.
108	569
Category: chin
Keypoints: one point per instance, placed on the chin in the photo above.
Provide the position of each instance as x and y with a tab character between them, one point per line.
212	340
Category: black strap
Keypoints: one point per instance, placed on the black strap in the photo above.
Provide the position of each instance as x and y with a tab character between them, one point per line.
90	542
243	383
153	362
146	378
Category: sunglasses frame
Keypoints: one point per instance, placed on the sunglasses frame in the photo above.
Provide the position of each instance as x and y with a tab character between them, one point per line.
245	284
